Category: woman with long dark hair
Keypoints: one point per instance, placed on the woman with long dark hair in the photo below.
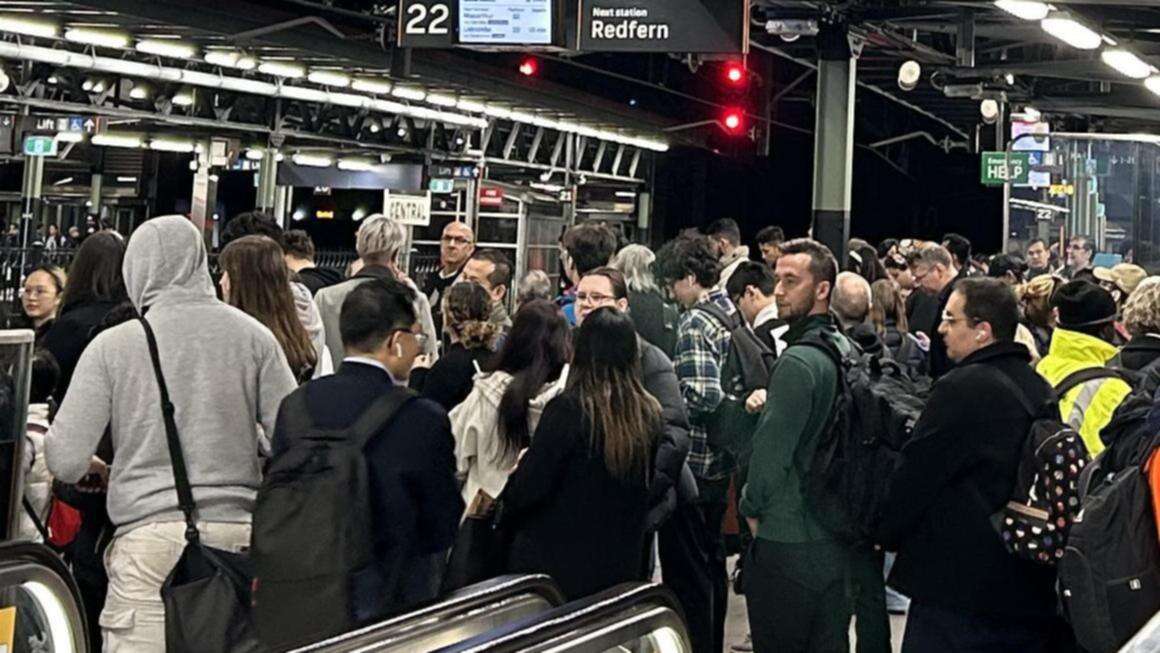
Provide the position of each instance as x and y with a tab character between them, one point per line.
497	419
466	307
577	502
255	279
95	287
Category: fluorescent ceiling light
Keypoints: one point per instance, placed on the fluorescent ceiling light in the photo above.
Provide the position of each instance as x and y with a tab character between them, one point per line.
63	182
166	48
440	100
103	38
139	91
356	165
304	94
255	154
1025	9
626	194
1153	84
409	93
1126	63
183	98
230	59
171	145
69	137
117	140
473	106
281	69
126	180
496	111
329	78
1067	29
376	86
311	160
29	27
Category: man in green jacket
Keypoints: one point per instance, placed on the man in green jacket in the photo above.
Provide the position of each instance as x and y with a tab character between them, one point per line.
795	576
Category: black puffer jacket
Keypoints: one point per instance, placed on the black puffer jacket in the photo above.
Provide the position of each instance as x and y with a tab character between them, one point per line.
1138	353
660	381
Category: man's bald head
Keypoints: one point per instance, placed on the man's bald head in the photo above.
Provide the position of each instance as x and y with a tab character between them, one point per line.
456	246
851	298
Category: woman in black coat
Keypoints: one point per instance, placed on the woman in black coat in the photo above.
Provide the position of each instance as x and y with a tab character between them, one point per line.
577	502
466	309
95	287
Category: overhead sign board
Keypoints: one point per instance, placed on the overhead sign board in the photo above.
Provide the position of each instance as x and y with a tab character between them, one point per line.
1034	136
441	186
998	168
505	22
39	146
412	210
700	26
453	171
491	197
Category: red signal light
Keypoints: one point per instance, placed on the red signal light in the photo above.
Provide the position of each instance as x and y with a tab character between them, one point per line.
735	73
529	67
733	121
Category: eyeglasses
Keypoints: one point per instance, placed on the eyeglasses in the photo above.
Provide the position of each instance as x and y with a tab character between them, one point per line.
420	338
950	319
455	240
592	297
37	291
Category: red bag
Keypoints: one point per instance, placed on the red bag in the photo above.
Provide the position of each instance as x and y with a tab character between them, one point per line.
64	522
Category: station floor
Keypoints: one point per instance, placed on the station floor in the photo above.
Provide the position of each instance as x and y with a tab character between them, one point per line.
737	623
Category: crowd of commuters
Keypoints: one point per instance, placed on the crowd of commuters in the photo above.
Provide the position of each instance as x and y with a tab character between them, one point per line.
611	433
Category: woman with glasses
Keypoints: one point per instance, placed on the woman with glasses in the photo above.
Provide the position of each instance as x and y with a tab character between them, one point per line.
497	419
256	280
577	502
40	297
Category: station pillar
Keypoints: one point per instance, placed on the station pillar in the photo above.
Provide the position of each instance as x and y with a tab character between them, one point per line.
834	139
268	181
30	196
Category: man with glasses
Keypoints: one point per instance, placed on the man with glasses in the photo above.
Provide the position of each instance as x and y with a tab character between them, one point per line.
967	592
1079	258
456	246
415	500
934	272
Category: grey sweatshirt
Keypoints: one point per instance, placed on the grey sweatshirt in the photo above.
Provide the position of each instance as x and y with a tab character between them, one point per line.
225	373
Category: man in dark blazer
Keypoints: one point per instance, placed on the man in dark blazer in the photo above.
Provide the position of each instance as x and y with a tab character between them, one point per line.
414	494
967	592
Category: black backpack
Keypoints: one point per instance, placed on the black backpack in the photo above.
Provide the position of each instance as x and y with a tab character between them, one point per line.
746	368
875	410
313	544
1109	575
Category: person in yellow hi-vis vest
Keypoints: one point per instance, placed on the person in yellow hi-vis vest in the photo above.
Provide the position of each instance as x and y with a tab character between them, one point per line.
1075	365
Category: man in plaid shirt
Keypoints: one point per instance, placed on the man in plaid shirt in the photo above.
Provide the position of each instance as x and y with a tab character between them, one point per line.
692	549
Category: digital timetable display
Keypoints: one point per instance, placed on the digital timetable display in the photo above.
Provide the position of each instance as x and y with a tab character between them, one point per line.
505	22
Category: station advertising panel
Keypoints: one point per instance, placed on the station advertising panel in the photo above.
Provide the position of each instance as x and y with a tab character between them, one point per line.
699	26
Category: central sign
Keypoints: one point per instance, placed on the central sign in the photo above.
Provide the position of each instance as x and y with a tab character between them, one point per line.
412	210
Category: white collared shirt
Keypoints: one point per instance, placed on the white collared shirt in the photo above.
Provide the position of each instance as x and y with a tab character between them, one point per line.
366	360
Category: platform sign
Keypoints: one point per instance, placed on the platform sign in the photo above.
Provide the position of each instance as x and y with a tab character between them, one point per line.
998	168
441	186
39	146
697	26
505	22
411	210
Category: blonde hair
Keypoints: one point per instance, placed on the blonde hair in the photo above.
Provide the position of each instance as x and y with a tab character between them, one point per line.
380	238
635	263
1142	309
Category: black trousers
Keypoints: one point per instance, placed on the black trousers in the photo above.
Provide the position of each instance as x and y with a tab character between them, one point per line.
797	597
931	629
872	623
692	554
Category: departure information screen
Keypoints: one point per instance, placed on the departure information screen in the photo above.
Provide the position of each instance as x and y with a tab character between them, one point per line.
505	22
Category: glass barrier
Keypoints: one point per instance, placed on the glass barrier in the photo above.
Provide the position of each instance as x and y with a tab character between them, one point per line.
461	615
15	372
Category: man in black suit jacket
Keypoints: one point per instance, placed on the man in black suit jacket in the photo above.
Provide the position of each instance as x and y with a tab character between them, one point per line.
414	494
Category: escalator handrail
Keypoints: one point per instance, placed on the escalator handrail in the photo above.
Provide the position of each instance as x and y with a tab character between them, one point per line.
569	617
458	602
19	552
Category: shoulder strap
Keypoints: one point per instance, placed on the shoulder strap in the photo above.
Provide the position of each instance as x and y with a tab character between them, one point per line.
379	413
718	314
176	457
1081	377
35	519
1021	395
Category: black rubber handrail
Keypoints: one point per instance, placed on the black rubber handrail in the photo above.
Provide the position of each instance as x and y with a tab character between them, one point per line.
21	552
569	617
458	602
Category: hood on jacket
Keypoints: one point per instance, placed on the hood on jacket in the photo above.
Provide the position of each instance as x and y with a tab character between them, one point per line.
1074	347
165	262
307	310
492	385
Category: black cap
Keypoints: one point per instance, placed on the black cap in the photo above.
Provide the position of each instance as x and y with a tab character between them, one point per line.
1082	304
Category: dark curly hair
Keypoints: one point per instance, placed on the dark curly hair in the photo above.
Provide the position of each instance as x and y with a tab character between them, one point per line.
466	309
687	255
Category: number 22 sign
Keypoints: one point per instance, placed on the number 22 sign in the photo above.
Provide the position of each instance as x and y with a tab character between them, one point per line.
426	23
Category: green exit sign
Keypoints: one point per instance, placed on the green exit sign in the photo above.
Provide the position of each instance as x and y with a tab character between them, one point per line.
443	186
40	146
998	168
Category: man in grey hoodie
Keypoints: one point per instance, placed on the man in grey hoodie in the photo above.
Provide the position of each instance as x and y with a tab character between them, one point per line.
226	375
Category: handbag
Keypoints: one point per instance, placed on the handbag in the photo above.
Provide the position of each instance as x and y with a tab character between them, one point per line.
480	547
207	594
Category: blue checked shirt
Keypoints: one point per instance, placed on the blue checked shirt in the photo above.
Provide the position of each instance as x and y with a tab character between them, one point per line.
702	346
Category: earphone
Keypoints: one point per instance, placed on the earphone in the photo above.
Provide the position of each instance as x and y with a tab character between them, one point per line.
398	350
979	335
